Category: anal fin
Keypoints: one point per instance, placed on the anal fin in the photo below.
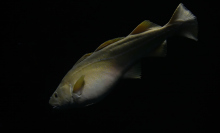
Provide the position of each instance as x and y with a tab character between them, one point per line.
134	72
160	51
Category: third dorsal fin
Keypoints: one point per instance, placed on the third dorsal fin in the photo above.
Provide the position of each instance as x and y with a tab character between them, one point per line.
144	26
108	43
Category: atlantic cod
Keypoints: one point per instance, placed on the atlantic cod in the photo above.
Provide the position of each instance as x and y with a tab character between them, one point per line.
94	75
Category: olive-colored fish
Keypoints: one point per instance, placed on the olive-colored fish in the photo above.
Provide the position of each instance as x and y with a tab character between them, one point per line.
94	74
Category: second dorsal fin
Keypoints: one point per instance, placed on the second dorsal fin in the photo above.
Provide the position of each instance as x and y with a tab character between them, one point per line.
108	43
144	26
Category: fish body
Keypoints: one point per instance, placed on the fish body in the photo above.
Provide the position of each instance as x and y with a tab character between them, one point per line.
94	75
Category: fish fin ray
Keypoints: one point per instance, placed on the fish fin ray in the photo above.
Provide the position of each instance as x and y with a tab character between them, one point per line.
190	27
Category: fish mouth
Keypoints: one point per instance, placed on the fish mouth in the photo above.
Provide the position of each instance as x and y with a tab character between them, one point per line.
55	106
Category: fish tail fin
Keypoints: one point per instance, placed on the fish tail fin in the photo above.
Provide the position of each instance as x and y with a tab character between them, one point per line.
189	28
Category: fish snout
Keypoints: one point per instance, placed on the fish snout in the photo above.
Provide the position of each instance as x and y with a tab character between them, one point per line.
52	102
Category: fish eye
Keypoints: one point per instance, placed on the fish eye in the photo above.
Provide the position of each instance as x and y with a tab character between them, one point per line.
55	95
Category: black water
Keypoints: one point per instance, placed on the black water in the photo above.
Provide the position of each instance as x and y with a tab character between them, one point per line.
42	41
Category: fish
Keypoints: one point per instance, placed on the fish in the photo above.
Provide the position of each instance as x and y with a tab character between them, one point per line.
95	74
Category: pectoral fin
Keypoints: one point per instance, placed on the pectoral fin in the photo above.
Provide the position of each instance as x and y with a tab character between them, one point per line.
79	85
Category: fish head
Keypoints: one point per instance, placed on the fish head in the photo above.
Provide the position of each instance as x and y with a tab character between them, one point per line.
62	96
67	95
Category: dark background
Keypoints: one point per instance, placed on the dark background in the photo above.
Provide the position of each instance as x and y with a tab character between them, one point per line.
41	41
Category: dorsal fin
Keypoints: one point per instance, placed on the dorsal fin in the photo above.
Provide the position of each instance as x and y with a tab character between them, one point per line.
144	26
108	43
83	58
99	48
